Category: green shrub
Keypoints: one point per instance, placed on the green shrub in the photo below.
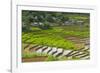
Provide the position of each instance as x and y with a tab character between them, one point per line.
51	58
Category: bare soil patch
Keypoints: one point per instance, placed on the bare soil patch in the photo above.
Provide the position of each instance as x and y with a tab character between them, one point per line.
79	42
35	59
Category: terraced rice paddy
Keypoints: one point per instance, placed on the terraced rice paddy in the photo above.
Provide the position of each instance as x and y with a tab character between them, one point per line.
55	36
43	53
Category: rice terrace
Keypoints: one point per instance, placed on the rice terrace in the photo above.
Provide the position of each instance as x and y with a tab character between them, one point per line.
55	36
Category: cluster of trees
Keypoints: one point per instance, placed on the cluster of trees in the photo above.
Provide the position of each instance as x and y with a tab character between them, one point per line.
44	19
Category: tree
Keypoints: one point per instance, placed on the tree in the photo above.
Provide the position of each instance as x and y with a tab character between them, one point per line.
45	19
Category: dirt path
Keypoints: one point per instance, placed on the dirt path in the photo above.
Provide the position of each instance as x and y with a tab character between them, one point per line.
35	59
